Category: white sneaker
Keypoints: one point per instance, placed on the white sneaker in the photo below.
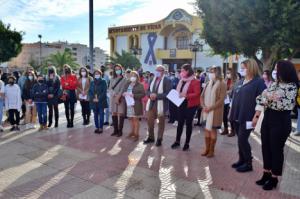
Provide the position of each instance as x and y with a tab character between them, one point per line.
175	123
297	134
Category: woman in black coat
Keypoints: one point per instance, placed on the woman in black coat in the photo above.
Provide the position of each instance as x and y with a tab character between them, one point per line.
53	83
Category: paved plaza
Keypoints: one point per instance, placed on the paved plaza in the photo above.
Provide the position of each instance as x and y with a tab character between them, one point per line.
76	163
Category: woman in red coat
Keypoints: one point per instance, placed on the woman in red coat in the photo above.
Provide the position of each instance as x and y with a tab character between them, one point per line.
69	86
189	88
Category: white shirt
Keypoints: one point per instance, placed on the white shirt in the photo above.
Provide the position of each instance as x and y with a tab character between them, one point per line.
83	82
13	97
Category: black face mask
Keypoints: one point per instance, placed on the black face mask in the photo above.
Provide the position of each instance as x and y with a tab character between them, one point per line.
11	83
40	81
67	71
50	71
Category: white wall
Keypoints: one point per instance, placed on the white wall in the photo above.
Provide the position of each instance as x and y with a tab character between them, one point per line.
122	43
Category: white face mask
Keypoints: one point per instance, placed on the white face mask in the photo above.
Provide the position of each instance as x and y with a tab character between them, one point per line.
97	76
212	76
274	74
243	72
133	79
228	76
158	74
83	74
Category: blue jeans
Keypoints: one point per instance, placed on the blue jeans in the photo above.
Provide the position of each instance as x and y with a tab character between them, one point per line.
98	117
42	112
1	110
298	121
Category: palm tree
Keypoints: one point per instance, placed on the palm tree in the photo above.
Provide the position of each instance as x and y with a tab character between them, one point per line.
126	59
60	59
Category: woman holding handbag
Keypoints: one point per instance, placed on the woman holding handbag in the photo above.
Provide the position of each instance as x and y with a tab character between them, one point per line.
69	86
117	102
54	92
83	87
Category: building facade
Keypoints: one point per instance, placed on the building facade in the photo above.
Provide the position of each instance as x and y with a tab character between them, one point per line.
167	41
31	53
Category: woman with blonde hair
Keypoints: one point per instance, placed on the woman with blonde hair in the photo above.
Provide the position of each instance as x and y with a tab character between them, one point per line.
135	90
243	111
212	101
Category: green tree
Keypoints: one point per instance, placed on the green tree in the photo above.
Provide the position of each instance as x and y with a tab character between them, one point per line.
269	29
126	59
10	42
59	59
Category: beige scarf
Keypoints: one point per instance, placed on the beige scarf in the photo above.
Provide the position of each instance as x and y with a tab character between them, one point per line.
210	100
187	84
160	103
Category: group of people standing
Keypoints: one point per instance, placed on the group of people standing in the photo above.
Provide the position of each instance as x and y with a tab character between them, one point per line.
241	99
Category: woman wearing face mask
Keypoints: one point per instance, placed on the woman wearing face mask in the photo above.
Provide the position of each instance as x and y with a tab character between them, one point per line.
278	101
98	99
30	115
134	89
13	103
267	78
117	102
69	86
230	81
53	83
212	101
83	87
243	110
188	88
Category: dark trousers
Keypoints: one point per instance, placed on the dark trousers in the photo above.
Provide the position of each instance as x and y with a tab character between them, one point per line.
225	116
173	112
14	116
275	130
52	107
243	134
85	109
42	112
198	115
69	110
98	117
185	115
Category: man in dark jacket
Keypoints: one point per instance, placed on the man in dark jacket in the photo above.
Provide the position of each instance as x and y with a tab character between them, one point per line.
39	95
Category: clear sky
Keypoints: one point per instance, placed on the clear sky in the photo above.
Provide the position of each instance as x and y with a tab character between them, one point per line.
67	20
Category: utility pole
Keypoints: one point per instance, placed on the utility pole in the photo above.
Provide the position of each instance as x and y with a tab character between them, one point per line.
91	29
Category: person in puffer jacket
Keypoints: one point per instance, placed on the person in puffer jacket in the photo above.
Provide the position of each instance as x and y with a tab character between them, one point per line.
39	94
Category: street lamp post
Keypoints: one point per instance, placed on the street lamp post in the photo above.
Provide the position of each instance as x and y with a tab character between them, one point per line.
196	47
40	59
91	33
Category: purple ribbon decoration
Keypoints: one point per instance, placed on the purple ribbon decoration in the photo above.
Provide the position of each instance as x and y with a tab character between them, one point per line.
151	41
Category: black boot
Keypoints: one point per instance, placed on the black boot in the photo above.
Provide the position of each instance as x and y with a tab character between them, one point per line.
270	184
68	123
121	124
50	123
237	164
246	167
115	125
266	177
56	122
87	119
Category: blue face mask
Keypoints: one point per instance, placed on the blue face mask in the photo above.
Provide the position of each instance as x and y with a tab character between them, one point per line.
118	72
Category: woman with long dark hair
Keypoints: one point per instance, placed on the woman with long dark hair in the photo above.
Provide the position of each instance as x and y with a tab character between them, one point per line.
69	86
278	100
53	83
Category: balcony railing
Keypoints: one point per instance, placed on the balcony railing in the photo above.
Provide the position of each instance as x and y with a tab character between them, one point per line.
174	54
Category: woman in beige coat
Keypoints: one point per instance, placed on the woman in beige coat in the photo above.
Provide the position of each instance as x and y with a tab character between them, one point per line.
117	102
134	89
212	100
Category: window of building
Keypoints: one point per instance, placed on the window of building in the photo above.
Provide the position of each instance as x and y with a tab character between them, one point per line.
74	48
182	42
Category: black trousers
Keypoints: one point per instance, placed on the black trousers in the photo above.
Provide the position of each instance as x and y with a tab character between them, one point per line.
52	107
85	109
243	134
14	116
225	115
275	130
185	115
173	112
69	110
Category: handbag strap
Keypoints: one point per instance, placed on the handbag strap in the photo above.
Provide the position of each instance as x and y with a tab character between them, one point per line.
113	88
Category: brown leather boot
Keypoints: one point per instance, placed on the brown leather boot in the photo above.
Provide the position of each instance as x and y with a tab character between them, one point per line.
207	145
211	148
225	132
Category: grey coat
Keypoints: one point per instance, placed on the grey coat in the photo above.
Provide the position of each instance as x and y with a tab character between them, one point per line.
117	102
